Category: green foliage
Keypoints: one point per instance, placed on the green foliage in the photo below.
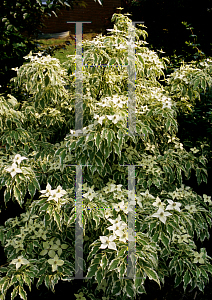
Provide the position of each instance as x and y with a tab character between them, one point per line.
21	21
39	143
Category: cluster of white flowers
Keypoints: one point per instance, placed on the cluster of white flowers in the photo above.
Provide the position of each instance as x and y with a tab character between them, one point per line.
53	194
161	214
15	168
181	192
119	230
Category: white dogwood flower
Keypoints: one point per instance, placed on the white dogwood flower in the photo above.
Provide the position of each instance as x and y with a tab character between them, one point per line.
54	196
117	101
191	208
55	262
207	198
99	119
198	257
19	261
116	221
108	213
18	158
161	215
90	194
117	228
124	236
147	195
104	102
159	203
47	191
167	104
59	190
13	170
108	242
173	205
114	118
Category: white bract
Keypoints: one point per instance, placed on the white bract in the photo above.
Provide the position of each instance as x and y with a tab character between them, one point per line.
19	261
18	158
114	118
13	170
173	205
198	257
162	215
191	208
159	203
108	242
55	262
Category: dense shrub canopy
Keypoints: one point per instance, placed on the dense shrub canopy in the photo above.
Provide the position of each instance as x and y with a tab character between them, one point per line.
40	147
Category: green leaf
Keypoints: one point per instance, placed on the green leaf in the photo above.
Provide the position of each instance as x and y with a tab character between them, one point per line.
6	196
122	269
168	123
72	146
138	279
47	281
117	149
99	275
99	162
152	274
40	280
186	278
14	293
27	280
178	280
114	263
122	252
36	183
141	290
196	83
31	189
104	262
112	61
107	152
22	293
94	250
129	289
109	137
44	207
17	194
62	156
57	219
164	239
97	140
92	270
203	83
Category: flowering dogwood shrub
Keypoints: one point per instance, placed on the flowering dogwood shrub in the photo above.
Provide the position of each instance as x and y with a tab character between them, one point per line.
40	243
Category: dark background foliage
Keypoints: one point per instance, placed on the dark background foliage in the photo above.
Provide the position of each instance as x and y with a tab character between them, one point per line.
20	22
